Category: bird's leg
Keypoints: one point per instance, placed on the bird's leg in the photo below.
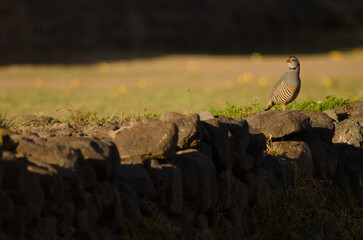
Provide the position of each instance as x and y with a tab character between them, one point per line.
283	107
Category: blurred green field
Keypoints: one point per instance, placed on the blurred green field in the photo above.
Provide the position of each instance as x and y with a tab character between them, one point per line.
181	83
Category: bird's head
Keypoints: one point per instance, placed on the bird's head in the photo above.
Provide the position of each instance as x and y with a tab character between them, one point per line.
293	62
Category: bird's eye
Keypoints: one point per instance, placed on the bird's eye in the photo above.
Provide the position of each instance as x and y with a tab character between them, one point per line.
293	60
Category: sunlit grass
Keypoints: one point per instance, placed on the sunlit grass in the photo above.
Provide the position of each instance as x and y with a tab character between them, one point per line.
161	84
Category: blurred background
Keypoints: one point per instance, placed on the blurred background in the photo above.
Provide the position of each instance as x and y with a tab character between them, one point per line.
115	57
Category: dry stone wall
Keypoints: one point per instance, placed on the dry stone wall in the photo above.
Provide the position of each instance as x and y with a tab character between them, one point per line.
84	181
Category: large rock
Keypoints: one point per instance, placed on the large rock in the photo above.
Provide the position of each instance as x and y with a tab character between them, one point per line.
190	129
280	124
298	152
342	113
168	182
281	168
257	146
239	139
350	131
138	178
199	178
101	154
43	228
14	174
219	141
6	208
8	142
321	125
318	152
152	139
332	160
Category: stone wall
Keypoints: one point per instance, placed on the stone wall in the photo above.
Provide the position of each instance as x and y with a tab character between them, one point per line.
86	181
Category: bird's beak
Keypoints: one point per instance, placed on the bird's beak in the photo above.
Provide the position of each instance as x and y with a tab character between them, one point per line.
288	60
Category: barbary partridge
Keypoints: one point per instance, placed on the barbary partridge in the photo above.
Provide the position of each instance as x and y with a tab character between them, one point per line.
288	87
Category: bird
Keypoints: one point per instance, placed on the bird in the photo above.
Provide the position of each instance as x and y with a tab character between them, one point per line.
287	87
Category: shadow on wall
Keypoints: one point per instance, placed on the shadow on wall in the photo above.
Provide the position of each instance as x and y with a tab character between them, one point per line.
56	32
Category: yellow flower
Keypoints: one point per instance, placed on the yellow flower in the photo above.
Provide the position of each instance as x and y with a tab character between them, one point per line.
256	57
229	85
326	81
142	83
191	66
39	83
336	55
75	82
245	78
263	82
122	90
104	67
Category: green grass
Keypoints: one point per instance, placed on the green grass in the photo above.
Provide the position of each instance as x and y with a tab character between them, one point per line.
329	102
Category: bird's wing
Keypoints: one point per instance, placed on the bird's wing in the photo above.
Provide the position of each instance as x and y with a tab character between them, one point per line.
282	78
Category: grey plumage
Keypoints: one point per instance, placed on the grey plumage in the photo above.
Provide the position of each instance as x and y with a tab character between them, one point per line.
287	87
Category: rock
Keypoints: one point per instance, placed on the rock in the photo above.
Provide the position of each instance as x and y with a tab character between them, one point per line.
352	110
113	215
280	124
336	115
18	224
188	215
65	217
204	116
262	186
52	184
8	142
350	131
237	218
86	213
318	153
257	146
239	139
239	194
14	174
7	209
201	222
138	178
43	228
321	125
153	139
224	189
296	151
61	126
248	179
220	143
168	182
246	163
232	192
351	160
281	168
190	129
205	195
186	162
341	179
33	199
130	201
59	158
101	154
332	159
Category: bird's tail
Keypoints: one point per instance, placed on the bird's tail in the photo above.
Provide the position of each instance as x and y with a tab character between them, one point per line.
269	105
